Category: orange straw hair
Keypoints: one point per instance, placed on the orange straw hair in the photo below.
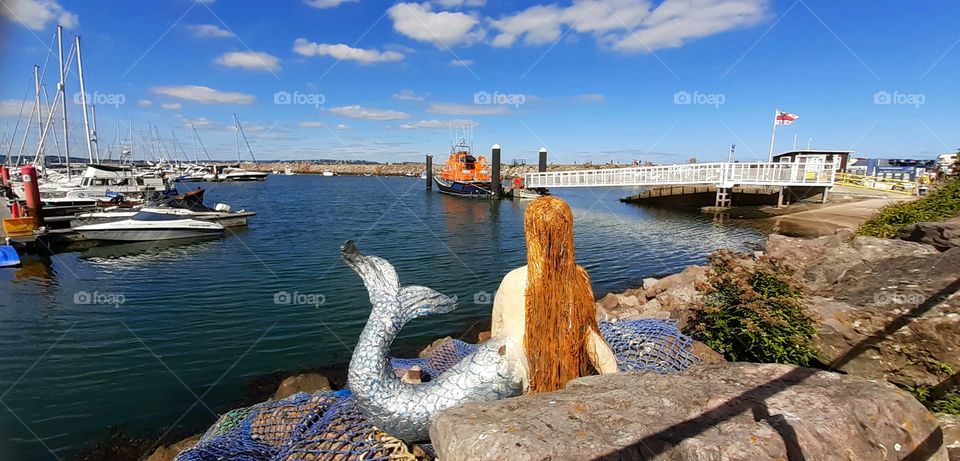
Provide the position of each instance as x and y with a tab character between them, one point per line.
560	310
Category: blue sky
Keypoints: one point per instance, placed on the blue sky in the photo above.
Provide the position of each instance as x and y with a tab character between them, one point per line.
591	80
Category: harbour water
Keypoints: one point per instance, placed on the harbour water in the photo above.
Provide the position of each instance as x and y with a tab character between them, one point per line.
149	337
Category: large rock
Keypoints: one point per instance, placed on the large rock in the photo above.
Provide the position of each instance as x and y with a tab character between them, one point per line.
950	424
942	235
897	320
689	277
710	412
823	262
307	382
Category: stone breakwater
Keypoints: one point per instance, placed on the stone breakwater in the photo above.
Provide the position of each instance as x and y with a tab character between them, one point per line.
887	315
400	169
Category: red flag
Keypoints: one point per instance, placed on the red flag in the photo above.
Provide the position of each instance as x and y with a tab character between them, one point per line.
785	118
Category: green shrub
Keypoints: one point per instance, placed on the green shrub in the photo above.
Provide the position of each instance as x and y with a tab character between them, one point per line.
948	403
754	312
941	203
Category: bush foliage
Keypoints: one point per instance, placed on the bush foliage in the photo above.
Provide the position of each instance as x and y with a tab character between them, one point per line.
948	403
941	203
754	312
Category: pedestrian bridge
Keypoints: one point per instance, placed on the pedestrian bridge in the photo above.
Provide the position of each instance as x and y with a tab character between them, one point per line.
724	175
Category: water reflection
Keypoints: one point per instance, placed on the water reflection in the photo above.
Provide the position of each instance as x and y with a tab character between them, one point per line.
146	251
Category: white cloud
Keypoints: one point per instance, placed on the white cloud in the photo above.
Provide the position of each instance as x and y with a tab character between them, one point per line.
461	62
438	124
676	22
37	14
250	60
459	3
629	25
209	31
11	108
203	94
305	47
171	106
368	114
315	124
443	28
408	95
461	109
322	4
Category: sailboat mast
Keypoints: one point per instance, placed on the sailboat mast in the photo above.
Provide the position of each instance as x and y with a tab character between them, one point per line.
62	89
236	133
83	102
93	134
36	84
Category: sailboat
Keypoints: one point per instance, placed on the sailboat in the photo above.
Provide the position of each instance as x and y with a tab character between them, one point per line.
237	173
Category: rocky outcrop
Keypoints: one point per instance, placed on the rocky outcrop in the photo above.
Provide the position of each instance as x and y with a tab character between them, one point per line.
942	235
950	425
886	309
708	412
672	297
822	262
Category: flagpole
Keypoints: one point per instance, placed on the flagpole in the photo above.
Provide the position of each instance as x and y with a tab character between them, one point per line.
773	136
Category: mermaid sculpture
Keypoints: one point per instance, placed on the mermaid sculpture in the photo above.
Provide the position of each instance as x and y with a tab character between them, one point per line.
544	332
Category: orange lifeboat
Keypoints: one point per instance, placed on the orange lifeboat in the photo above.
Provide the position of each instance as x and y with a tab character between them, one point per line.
463	174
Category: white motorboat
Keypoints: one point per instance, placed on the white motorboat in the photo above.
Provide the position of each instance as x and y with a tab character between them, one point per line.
148	226
329	173
99	181
187	206
239	174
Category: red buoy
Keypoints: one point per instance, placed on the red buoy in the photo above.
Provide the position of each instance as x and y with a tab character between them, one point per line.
31	188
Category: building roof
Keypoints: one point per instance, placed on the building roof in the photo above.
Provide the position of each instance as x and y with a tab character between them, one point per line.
815	151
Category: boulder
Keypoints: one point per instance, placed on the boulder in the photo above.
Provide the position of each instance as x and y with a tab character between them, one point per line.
823	262
682	301
897	320
609	301
950	425
629	301
708	412
689	277
706	354
307	382
639	293
649	283
170	452
652	305
942	235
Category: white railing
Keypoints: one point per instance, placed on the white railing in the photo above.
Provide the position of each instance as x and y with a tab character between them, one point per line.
719	174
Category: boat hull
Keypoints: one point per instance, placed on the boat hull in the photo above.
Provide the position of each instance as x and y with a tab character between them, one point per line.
145	235
463	188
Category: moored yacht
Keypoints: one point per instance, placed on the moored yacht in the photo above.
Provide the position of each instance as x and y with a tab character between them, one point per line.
149	226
